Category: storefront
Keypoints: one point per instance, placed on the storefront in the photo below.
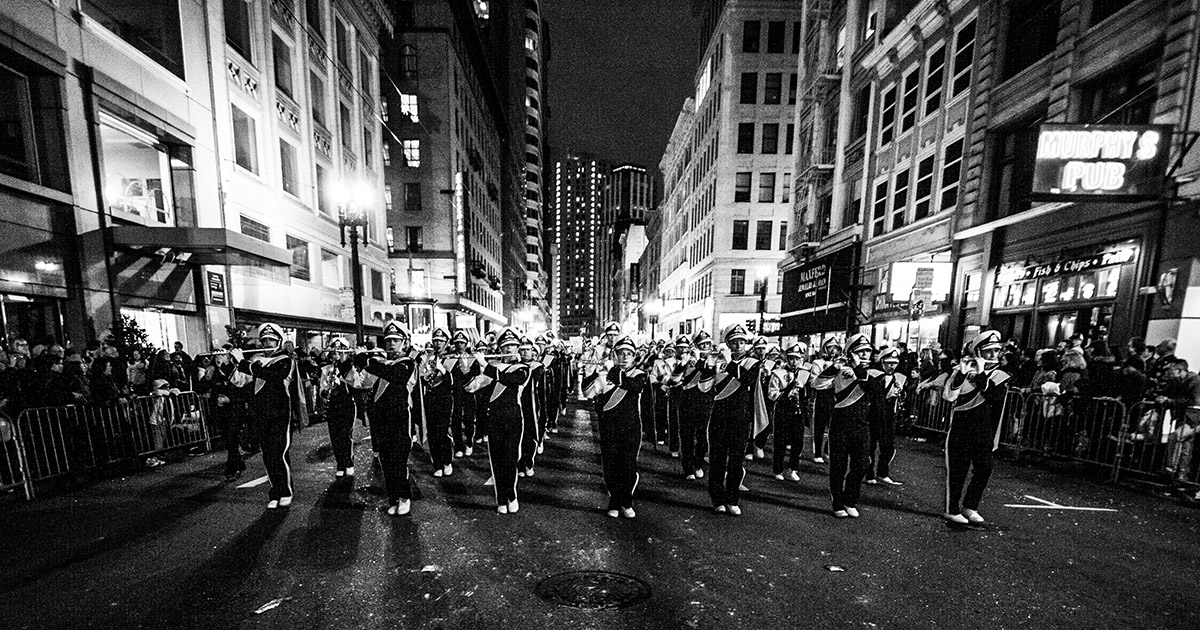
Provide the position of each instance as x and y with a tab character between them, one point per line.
911	301
1039	302
817	297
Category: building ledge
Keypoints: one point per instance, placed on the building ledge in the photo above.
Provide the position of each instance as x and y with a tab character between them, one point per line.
199	246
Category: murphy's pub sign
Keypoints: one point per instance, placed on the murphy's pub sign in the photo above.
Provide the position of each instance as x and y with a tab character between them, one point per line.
1112	162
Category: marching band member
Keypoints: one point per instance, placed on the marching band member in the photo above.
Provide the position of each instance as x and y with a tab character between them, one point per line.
391	413
482	347
547	355
883	424
758	441
732	420
501	384
618	392
341	409
789	390
828	364
695	377
532	401
855	397
666	415
438	399
976	388
280	404
230	392
564	378
462	367
651	430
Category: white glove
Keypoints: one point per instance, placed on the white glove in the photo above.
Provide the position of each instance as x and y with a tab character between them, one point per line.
237	354
608	364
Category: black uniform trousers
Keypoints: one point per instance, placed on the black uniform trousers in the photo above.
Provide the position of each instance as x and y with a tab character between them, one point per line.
439	411
728	431
482	418
849	451
649	415
883	442
505	434
276	441
822	411
339	415
674	442
231	417
394	443
619	447
695	409
462	424
969	444
789	433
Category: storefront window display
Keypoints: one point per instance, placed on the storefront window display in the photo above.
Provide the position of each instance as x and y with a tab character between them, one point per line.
34	319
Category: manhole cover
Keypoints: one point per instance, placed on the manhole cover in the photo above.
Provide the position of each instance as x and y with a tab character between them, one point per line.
593	590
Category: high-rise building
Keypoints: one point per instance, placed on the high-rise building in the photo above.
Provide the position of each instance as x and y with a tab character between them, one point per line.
445	133
207	141
628	196
514	30
727	203
578	201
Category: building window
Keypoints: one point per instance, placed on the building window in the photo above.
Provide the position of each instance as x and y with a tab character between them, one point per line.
245	140
879	208
775	36
951	170
331	271
935	70
414	238
408	107
924	199
1124	98
1032	33
762	235
785	191
741	234
387	152
324	204
772	87
964	54
237	27
749	91
300	269
31	147
789	144
1104	9
141	178
796	33
770	138
737	281
412	152
745	141
312	15
751	33
766	187
531	43
288	171
1012	170
900	200
887	120
368	148
317	87
347	126
342	43
792	89
151	26
412	197
741	191
377	288
282	55
364	74
783	235
408	62
254	229
387	197
912	89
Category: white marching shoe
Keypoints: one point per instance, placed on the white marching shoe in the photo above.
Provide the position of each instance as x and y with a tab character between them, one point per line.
613	513
699	473
401	508
438	472
448	470
759	453
272	504
491	481
735	510
340	473
349	471
973	517
841	513
852	512
957	519
628	512
541	448
502	509
793	476
285	501
779	476
459	453
469	451
513	506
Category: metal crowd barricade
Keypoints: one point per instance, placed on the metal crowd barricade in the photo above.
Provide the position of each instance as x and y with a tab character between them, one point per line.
49	442
1157	441
927	410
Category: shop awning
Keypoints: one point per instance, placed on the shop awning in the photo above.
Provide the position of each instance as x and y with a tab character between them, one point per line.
200	246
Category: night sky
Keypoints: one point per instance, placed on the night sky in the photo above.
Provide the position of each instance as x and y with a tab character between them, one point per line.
619	73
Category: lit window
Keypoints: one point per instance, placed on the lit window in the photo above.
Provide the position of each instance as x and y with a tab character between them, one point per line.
408	106
412	152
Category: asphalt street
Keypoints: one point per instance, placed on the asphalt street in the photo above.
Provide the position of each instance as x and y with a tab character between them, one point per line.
177	547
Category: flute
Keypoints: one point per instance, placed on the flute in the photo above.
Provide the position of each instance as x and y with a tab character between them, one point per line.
244	352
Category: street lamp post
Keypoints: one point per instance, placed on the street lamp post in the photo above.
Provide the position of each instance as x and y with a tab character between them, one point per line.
352	213
652	308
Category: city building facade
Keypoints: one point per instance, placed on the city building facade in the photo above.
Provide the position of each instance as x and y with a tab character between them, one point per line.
628	196
445	134
726	204
578	200
177	162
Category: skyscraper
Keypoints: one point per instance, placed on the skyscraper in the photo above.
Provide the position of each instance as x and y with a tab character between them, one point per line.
628	196
578	200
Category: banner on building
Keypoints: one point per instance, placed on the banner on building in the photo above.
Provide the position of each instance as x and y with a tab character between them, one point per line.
816	295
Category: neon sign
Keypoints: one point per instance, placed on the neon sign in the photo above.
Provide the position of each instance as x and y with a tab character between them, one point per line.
1117	162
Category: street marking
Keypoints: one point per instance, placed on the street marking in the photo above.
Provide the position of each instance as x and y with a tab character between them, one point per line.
1050	505
256	482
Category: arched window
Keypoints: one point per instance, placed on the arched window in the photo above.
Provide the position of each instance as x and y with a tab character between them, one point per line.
408	61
